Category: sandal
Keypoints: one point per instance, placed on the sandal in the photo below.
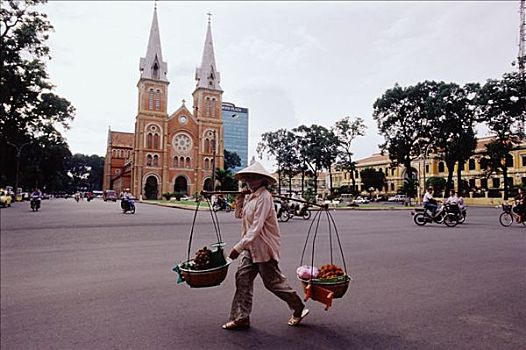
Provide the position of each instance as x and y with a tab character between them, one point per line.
294	321
236	325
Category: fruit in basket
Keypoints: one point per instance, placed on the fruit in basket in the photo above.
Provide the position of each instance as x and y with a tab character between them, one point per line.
202	259
330	271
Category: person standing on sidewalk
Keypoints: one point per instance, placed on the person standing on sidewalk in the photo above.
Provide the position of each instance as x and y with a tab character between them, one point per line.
259	251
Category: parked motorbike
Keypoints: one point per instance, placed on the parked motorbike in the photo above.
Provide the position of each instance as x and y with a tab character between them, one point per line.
128	205
222	204
35	203
446	214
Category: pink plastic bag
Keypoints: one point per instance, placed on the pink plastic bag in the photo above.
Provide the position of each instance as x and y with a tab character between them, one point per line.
307	272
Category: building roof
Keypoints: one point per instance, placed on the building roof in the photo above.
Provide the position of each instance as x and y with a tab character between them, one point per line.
152	65
207	75
376	158
122	139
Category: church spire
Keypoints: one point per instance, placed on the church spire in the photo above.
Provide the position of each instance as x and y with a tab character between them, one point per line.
207	75
152	66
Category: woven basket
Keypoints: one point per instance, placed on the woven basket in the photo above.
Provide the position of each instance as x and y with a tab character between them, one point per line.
204	278
339	288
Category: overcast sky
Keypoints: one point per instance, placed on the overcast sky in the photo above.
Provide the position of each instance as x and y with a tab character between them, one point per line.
289	63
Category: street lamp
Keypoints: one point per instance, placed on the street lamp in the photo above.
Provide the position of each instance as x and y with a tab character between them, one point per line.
18	152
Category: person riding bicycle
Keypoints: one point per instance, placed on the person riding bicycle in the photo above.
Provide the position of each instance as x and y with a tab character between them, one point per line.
429	202
520	204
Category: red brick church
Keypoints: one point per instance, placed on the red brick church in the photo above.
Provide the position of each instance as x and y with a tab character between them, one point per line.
168	152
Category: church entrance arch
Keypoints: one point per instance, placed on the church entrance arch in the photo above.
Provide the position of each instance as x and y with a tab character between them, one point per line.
208	184
151	188
181	185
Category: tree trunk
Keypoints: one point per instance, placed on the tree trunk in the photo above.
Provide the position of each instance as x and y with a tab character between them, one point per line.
279	181
290	182
459	177
353	191
505	175
449	183
330	181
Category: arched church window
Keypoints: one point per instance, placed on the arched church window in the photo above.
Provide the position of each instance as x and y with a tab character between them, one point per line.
188	162
181	162
207	164
156	160
158	100
156	141
212	107
208	106
176	162
150	99
207	146
149	160
149	140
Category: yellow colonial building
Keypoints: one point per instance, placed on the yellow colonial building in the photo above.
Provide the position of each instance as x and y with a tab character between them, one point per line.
483	188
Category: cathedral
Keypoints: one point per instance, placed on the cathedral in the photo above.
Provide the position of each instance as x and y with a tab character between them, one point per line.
174	152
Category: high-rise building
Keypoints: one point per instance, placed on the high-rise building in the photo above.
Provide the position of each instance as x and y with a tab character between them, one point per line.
235	128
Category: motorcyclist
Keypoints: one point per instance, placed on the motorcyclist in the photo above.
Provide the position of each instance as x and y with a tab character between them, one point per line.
296	204
453	198
125	199
36	194
36	198
520	204
429	202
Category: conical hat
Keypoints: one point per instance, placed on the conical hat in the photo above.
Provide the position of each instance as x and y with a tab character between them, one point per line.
255	169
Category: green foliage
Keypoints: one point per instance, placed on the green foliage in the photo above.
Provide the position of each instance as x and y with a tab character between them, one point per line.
29	111
502	106
346	130
232	160
372	178
226	180
438	184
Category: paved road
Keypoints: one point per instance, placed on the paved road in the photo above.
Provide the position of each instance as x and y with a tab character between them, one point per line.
84	276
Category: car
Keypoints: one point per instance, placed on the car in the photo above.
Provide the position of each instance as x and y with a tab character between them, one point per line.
360	200
110	195
5	198
397	198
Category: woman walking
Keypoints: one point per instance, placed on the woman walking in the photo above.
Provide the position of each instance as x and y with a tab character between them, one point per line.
258	250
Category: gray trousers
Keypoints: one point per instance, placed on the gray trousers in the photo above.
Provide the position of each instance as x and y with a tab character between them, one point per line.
273	280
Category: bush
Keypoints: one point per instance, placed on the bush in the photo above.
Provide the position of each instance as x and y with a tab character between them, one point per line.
167	195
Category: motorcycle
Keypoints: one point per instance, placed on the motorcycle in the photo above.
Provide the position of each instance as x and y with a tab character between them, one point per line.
35	203
128	205
282	210
296	210
446	214
222	204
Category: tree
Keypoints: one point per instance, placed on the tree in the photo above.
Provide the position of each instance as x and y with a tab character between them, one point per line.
346	131
85	171
29	111
372	178
438	183
450	111
281	144
225	179
232	159
315	147
502	106
401	117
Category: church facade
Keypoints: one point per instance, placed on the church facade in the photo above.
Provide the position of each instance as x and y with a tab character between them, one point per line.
174	152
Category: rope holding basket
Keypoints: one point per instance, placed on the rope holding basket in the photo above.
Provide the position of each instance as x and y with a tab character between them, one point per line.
213	268
337	280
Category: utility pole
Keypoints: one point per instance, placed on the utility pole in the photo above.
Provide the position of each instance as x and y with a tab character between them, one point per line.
18	152
214	163
522	38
